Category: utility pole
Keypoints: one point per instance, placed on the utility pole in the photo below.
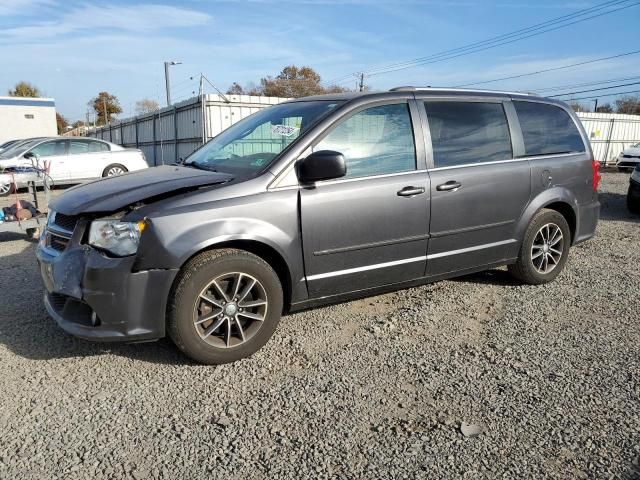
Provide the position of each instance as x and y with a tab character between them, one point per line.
167	81
595	108
362	81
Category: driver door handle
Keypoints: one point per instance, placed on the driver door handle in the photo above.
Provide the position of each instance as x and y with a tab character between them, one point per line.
410	191
450	186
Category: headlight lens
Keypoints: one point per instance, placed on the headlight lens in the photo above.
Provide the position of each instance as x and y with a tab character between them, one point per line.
114	236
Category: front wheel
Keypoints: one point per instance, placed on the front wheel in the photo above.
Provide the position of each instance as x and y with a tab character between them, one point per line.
544	250
114	170
225	306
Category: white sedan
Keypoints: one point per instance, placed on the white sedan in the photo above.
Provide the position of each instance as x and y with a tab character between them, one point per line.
71	160
629	157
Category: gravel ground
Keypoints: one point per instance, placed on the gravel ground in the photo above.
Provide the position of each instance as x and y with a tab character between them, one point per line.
477	377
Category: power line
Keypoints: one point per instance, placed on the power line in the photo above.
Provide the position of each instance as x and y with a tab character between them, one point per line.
594	89
602	96
549	69
587	84
504	39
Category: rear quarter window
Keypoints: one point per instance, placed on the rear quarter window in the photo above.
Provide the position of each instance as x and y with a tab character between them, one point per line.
547	129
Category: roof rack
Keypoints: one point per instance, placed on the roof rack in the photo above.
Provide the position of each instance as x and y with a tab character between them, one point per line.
444	89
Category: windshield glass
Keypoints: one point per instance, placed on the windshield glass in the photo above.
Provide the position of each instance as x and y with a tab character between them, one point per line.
250	145
19	148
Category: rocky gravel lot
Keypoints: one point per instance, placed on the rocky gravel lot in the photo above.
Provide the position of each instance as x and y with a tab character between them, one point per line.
473	378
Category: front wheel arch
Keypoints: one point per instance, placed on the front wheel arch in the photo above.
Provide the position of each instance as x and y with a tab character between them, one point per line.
266	253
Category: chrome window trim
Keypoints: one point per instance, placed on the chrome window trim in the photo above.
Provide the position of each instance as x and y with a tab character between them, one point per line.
511	160
365	268
470	249
372	177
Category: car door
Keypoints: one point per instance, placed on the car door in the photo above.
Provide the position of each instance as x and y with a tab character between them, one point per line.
478	189
369	228
52	154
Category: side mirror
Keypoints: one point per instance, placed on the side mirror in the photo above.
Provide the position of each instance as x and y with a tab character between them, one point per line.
322	165
29	155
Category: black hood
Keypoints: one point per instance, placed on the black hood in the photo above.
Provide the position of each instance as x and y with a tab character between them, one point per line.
114	193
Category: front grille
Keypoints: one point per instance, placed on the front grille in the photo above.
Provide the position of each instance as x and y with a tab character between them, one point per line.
67	222
73	310
58	242
631	156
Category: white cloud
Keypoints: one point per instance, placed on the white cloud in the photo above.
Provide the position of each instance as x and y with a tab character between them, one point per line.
113	18
22	7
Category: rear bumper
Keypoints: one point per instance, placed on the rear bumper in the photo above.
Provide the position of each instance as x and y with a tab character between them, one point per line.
587	221
99	298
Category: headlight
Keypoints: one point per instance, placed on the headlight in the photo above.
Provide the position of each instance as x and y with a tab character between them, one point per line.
112	235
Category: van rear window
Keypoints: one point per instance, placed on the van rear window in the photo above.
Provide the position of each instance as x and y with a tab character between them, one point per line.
547	129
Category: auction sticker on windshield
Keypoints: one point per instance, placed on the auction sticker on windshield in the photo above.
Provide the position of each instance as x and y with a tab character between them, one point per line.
284	130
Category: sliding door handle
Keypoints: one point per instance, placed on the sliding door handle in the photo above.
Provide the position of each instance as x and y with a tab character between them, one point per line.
450	186
410	191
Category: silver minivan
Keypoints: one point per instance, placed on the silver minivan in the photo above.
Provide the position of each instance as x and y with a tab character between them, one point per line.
315	201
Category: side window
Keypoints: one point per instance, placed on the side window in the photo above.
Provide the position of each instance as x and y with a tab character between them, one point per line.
547	129
48	149
78	146
375	141
468	132
98	146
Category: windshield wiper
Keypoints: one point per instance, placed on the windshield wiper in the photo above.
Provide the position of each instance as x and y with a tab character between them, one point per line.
199	167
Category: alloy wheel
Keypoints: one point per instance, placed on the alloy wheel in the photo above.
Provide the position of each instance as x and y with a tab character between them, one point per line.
230	310
113	171
547	248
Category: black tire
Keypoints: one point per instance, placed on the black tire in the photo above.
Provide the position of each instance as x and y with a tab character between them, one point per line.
524	269
105	172
4	192
633	204
199	273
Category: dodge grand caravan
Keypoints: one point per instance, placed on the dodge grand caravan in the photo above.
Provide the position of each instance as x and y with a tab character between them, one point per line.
316	201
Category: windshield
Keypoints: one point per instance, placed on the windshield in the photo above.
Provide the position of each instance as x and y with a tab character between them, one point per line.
19	148
250	145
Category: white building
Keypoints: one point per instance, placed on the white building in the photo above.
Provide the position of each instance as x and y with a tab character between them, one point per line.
24	117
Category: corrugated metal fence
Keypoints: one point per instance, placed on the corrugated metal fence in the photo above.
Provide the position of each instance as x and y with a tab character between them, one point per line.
610	133
174	132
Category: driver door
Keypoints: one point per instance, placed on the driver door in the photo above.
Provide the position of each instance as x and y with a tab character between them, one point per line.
54	154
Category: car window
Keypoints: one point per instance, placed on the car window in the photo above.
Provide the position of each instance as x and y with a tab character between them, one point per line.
375	141
78	146
98	146
547	129
468	132
48	149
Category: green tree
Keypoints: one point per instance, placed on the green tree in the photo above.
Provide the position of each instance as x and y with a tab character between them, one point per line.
24	89
61	123
629	105
106	106
146	105
292	81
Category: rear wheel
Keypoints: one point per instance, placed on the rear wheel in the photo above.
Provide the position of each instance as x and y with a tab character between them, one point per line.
6	189
544	250
225	305
114	170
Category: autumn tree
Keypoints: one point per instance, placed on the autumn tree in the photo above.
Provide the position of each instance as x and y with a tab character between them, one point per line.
105	105
577	107
61	123
24	89
146	105
606	108
628	105
292	81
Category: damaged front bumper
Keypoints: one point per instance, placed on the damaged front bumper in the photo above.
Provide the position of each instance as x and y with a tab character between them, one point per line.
96	297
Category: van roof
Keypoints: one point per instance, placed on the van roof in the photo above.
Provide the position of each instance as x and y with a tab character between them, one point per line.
448	92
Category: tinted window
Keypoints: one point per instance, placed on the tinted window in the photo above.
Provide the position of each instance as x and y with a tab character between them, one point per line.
547	129
98	146
468	132
376	141
47	149
78	146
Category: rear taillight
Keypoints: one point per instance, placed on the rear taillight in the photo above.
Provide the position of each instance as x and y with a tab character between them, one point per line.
595	179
